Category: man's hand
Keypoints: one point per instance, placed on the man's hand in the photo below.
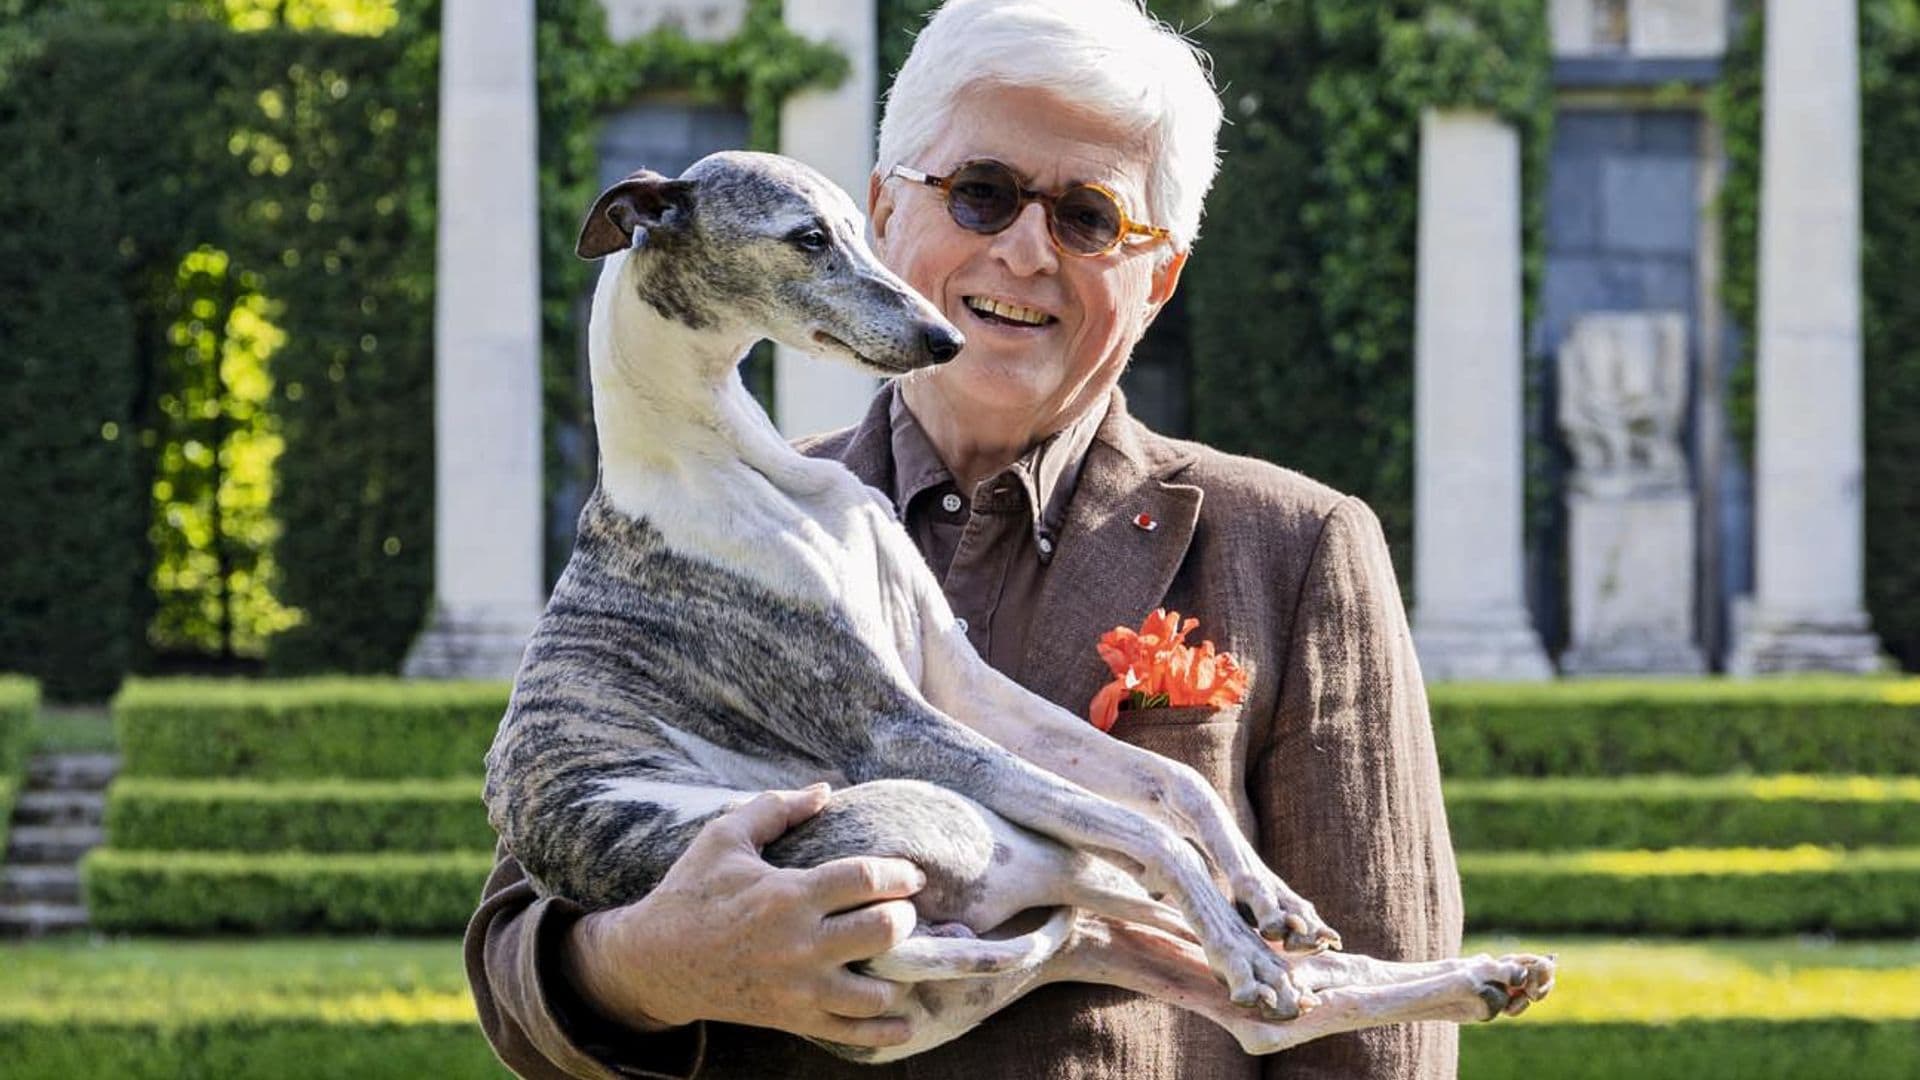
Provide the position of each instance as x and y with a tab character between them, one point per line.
727	937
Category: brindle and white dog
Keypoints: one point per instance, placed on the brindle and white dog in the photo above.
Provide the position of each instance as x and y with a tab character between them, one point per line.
737	617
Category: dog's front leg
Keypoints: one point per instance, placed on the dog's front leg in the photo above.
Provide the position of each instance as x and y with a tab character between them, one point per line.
961	684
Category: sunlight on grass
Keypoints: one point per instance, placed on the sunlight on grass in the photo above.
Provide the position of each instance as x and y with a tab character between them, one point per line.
1609	981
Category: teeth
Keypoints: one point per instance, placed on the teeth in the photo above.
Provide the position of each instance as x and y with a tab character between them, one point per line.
1009	312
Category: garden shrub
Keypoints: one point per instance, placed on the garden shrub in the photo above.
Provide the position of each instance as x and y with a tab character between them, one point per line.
293	815
1866	726
1663	812
1701	891
1746	1049
247	1048
203	892
357	728
19	706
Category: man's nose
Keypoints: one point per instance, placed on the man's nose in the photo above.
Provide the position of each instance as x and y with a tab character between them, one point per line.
1025	246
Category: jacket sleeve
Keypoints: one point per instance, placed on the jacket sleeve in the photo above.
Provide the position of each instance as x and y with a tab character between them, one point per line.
536	1023
1348	792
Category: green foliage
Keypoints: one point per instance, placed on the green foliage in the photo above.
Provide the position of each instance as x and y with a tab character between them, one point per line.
1890	207
246	1048
359	728
19	704
323	816
1303	327
1666	812
1747	1049
220	318
1698	891
1865	726
203	892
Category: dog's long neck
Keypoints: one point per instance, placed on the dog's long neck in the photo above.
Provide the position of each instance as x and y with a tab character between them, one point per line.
668	400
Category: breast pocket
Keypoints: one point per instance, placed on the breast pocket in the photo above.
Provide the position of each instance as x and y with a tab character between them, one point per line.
1213	741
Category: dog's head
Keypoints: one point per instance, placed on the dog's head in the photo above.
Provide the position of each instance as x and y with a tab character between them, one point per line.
763	243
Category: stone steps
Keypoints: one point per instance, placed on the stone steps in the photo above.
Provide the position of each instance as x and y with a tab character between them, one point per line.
71	772
60	808
36	919
57	818
46	883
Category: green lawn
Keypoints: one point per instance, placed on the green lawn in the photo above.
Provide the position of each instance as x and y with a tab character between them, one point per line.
399	980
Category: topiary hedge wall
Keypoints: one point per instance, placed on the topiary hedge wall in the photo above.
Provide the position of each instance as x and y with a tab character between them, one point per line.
219	327
1890	234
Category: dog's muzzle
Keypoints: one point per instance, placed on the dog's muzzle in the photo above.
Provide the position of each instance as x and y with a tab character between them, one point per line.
941	344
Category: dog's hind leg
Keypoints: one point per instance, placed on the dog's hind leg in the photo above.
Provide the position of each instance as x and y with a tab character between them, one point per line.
922	744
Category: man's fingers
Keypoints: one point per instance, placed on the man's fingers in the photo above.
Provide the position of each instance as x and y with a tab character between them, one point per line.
863	997
868	931
760	820
857	881
886	1031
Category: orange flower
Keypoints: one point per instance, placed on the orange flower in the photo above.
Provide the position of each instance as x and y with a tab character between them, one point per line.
1155	667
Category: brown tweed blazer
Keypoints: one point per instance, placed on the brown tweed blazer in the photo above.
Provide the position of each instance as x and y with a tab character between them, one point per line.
1329	764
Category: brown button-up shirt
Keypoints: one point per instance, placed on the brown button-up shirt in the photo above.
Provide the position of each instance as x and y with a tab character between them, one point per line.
991	548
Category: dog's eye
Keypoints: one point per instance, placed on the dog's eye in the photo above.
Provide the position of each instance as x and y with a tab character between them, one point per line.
811	240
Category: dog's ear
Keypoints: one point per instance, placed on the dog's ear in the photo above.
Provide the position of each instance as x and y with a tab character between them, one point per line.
630	209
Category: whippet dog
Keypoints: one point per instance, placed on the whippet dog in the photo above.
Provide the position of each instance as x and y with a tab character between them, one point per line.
737	617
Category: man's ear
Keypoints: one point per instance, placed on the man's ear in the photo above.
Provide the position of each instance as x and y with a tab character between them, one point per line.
1166	277
641	204
879	206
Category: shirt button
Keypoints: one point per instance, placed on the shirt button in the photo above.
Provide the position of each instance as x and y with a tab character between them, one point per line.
1046	546
950	503
957	620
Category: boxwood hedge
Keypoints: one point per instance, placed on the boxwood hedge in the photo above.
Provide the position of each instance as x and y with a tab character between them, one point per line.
1677	811
198	892
19	704
1746	1049
367	728
1696	891
1701	727
297	815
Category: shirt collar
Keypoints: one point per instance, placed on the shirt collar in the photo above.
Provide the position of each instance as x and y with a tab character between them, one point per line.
1047	473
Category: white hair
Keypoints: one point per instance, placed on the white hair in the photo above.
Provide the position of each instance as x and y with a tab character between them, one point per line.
1109	57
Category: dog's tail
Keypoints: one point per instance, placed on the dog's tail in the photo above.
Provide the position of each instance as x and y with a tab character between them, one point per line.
924	958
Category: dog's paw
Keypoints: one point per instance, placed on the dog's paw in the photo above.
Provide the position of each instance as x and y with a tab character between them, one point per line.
1510	983
1282	915
1260	980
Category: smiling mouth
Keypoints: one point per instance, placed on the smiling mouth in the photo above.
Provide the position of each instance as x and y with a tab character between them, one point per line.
1005	314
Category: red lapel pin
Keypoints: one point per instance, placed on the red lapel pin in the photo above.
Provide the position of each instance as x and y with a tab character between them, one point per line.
1144	522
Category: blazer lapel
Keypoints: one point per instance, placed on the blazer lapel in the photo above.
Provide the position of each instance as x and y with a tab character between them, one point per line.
1110	569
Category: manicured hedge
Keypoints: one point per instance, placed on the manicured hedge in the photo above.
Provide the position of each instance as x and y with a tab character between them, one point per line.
197	892
1716	1050
1701	727
1559	814
289	815
1696	891
19	704
363	728
267	1049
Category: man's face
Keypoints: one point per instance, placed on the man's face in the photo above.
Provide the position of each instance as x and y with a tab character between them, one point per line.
1095	308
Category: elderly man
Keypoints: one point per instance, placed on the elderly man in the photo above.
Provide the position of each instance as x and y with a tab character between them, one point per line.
1041	169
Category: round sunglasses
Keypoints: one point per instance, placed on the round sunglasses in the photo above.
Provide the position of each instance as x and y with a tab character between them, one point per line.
986	196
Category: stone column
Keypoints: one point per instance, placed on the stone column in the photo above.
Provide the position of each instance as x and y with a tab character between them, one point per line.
832	130
1808	613
1470	617
486	365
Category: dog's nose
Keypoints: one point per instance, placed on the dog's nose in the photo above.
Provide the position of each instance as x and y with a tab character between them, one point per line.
943	344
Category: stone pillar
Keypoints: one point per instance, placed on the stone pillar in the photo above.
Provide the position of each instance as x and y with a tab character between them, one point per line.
832	130
1470	616
1807	613
486	364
